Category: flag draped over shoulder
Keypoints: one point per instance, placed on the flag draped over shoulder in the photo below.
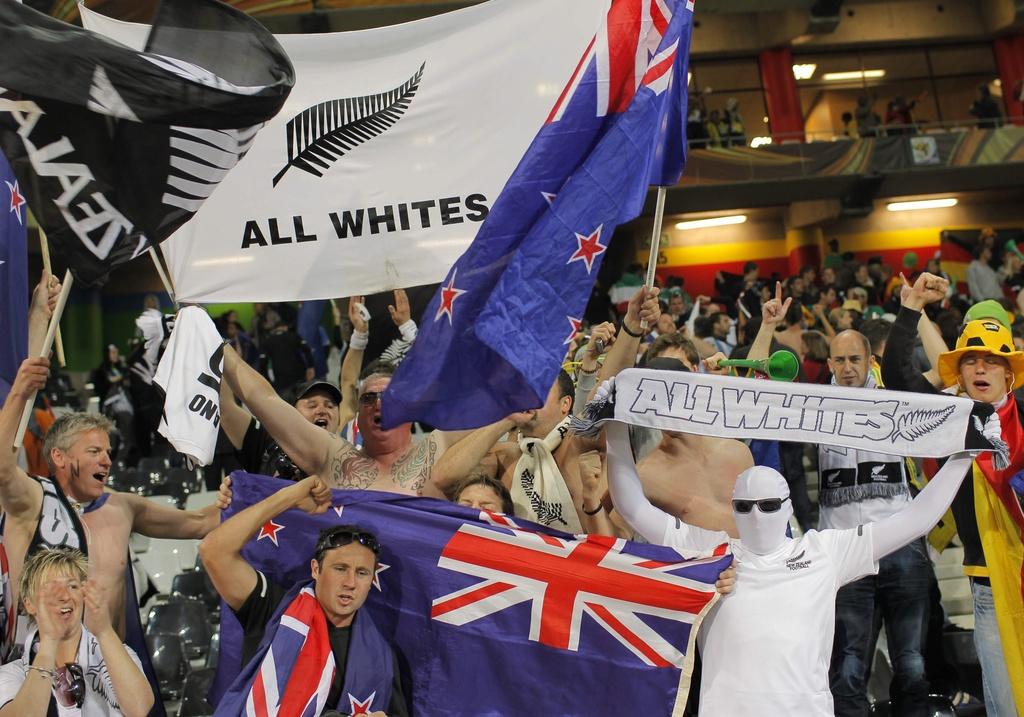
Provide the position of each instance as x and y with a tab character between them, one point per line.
586	626
494	336
116	148
13	278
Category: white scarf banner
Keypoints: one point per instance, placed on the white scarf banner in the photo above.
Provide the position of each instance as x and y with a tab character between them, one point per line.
891	422
385	160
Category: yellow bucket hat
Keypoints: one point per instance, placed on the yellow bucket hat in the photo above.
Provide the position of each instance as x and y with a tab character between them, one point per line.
986	336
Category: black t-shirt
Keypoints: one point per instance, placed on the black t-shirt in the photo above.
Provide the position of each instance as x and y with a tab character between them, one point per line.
254	448
258	609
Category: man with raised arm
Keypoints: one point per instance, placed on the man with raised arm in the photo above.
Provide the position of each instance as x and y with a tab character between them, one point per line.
312	640
766	647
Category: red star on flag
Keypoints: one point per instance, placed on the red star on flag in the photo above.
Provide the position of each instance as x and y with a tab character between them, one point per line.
448	296
270	530
381	567
576	323
360	707
17	200
589	248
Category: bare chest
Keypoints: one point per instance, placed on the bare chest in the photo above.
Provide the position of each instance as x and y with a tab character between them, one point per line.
354	470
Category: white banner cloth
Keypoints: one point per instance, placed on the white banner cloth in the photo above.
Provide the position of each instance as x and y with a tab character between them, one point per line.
883	421
453	102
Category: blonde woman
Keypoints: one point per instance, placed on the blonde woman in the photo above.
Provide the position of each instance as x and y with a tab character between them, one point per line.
68	669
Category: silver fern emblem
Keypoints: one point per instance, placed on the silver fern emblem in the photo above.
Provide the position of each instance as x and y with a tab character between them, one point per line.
914	424
323	133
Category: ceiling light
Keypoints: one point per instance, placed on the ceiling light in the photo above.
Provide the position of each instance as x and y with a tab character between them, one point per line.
854	75
804	72
922	204
760	141
712	222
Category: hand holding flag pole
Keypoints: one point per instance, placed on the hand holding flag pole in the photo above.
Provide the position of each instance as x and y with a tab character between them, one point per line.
51	333
44	247
652	260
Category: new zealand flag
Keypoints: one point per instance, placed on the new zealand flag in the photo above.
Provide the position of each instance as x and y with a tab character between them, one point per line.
115	149
13	278
494	616
492	340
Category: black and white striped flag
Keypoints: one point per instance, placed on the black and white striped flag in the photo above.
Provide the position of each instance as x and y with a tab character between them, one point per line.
117	148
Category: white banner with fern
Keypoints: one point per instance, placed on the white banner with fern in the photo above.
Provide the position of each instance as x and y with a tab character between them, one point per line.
878	420
381	167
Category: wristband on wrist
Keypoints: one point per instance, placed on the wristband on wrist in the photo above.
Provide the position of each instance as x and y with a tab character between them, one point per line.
408	331
635	335
589	373
360	340
595	511
43	670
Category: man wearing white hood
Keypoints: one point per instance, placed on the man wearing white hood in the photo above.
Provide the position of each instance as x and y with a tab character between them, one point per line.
766	647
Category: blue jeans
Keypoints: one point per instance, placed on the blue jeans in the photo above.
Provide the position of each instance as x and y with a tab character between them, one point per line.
899	595
987	643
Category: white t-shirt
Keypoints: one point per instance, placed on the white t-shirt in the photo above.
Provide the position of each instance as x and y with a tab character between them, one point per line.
99	702
766	647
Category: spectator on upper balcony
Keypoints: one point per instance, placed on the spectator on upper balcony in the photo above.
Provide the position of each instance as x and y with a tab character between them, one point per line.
899	118
982	280
867	120
734	123
849	126
714	127
696	129
986	108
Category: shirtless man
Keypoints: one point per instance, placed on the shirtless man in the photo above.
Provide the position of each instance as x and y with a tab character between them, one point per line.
563	507
689	476
71	507
389	461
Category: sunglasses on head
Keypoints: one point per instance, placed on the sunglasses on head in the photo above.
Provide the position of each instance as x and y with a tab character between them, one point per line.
71	685
344	536
765	505
370	398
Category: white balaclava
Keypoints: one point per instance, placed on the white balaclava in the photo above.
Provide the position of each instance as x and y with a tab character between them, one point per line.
762	533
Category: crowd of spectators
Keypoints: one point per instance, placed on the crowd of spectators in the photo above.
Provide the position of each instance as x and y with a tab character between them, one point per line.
280	416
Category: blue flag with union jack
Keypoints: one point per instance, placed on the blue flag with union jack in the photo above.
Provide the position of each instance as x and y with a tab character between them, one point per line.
490	615
493	338
13	278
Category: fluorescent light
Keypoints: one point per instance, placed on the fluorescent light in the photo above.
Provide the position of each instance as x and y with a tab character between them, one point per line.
922	204
760	141
854	75
804	72
712	222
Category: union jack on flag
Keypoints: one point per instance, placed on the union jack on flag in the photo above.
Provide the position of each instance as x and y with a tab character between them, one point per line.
516	610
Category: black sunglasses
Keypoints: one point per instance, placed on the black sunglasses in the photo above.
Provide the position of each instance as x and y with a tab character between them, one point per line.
765	505
370	398
71	684
344	536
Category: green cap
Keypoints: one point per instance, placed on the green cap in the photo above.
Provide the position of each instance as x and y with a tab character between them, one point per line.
988	309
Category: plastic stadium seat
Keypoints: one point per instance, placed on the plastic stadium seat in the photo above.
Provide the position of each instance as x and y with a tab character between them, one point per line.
180	483
195	585
129	481
193	695
153	467
169	662
213	656
938	706
166	558
186	618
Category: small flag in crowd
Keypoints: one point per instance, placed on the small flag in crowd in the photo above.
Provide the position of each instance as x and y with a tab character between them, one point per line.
495	334
114	148
590	625
13	278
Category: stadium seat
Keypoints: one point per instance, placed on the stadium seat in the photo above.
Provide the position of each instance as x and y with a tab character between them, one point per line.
166	558
213	655
193	694
169	662
938	706
195	585
186	618
152	465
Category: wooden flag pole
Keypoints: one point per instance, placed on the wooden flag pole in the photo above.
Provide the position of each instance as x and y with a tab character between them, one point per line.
44	246
168	287
652	261
51	332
